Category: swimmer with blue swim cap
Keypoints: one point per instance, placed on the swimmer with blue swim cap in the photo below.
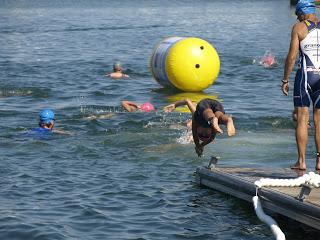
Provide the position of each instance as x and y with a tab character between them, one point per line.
305	38
46	119
117	72
304	7
46	124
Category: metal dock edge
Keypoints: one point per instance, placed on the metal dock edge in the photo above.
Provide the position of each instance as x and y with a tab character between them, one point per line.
271	199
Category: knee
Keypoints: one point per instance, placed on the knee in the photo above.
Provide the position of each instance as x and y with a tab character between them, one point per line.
303	114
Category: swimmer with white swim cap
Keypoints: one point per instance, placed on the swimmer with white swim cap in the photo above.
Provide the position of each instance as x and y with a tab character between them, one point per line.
117	72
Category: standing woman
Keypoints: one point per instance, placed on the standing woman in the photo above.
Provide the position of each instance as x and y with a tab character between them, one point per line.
305	38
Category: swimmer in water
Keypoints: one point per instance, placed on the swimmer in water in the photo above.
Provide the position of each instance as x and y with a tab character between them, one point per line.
268	60
133	107
128	107
117	72
206	117
46	123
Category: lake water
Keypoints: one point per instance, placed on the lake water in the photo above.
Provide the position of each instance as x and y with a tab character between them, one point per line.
129	176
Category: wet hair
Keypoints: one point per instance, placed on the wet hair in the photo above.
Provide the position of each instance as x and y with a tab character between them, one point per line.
204	104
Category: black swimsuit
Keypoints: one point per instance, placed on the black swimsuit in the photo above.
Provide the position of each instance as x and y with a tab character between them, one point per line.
204	104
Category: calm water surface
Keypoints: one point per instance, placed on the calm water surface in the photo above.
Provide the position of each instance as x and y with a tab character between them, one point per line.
128	176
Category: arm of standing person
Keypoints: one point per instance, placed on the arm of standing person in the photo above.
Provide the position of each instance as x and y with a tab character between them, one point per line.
291	58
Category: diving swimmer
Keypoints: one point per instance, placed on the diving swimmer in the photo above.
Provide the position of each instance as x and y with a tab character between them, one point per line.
206	117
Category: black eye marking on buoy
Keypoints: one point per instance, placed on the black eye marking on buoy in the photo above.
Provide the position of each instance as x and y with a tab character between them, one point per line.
197	65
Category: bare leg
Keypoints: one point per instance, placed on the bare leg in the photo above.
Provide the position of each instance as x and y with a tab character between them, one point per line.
226	120
316	119
208	113
301	137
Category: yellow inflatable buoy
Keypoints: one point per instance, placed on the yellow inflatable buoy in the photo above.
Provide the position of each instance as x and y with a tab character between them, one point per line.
189	64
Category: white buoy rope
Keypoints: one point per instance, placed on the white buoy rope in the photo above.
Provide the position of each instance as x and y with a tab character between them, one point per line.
310	179
279	235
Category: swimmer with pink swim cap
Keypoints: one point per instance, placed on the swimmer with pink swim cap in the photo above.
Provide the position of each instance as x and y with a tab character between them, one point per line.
147	107
268	60
133	107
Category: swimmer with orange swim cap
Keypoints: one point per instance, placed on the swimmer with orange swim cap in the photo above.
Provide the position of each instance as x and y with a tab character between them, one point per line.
133	107
117	72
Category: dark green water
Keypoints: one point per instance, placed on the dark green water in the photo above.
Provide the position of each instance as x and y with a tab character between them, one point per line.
127	176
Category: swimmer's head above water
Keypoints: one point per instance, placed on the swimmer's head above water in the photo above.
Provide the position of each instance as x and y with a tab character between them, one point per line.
46	118
147	107
117	67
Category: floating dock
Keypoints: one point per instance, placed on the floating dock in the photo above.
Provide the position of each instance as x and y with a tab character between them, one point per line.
299	203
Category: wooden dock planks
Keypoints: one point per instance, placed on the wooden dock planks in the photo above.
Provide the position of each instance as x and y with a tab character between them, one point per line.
239	182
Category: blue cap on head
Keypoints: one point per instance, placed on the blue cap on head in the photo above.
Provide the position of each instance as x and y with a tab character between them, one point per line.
305	7
46	116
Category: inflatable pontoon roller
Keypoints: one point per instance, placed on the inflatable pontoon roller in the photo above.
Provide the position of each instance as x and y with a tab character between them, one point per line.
188	64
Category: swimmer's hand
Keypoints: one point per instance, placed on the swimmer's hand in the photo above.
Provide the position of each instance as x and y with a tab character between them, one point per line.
169	108
199	150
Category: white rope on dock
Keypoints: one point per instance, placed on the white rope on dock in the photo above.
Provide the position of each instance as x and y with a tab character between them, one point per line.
267	219
311	179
